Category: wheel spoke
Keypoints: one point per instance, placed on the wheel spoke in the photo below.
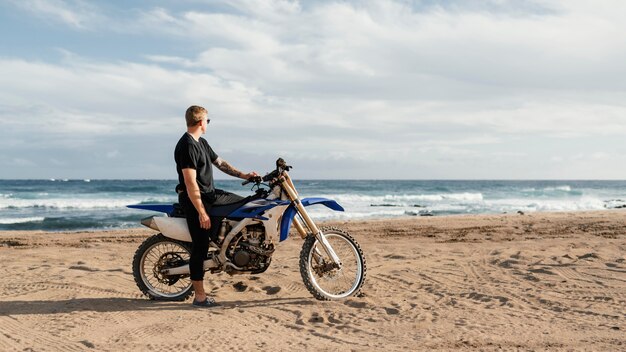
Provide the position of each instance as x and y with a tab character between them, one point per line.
154	259
336	283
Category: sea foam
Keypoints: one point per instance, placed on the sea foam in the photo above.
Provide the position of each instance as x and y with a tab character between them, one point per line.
85	204
8	221
408	199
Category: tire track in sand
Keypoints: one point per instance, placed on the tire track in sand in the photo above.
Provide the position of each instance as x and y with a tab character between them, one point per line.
13	336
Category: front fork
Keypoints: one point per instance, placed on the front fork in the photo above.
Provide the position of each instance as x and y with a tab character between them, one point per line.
317	255
290	189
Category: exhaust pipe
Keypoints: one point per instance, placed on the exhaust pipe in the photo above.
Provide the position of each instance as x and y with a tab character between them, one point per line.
149	222
184	269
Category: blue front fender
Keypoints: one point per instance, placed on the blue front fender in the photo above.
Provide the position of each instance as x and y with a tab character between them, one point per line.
288	215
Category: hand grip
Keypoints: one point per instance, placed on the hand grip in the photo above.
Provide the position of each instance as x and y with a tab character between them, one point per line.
255	179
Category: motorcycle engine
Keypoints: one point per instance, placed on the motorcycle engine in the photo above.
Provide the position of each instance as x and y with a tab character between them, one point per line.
242	257
250	253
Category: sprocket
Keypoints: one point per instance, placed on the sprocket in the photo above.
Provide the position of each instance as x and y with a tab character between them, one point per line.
167	260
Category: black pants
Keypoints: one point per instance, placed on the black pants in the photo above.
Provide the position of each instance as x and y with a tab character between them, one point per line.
200	237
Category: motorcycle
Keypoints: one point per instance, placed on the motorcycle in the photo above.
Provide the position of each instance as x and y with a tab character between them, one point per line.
332	264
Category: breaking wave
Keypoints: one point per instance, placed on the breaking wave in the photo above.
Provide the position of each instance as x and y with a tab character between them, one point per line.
9	221
82	204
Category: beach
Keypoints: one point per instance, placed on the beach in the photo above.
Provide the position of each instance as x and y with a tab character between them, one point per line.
533	281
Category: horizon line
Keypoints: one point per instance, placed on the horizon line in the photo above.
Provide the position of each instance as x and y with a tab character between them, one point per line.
52	179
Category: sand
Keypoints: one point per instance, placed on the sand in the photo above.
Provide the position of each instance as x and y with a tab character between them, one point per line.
542	281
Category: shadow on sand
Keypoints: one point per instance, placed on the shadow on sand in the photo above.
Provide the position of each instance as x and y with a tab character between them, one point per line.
119	304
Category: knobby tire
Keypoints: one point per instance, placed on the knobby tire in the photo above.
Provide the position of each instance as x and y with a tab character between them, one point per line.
147	244
308	246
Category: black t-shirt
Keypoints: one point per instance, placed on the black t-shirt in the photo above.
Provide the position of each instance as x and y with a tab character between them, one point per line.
199	155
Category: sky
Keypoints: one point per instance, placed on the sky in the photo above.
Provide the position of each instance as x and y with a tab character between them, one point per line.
384	89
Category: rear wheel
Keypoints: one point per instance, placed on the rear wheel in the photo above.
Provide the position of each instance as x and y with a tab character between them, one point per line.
321	277
155	254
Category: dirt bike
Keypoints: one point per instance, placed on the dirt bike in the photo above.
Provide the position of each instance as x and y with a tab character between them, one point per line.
332	264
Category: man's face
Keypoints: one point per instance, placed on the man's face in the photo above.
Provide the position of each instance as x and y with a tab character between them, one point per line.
205	123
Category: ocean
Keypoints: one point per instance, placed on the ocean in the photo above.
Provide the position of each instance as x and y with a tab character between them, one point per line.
71	205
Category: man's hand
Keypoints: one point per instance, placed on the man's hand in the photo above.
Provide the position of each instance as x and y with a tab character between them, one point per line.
249	175
205	221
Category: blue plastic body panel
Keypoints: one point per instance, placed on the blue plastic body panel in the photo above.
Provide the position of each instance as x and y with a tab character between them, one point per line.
255	208
161	208
288	215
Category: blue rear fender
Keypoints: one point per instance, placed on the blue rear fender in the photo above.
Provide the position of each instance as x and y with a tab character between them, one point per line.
161	208
288	215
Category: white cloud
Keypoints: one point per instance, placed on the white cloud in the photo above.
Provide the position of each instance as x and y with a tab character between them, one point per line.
110	94
376	80
164	59
391	42
75	13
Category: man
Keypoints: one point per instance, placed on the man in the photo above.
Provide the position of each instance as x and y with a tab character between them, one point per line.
194	157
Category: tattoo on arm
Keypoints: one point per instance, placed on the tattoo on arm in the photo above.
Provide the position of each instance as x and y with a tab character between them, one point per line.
227	168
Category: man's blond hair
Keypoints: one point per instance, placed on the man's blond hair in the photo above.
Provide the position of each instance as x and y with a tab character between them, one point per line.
194	115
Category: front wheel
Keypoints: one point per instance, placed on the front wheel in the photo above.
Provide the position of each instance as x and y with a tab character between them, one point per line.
155	254
321	277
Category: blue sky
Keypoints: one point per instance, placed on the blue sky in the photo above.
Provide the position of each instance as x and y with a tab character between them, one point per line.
491	89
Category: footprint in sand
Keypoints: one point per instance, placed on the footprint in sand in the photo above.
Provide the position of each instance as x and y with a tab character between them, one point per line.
588	256
271	290
87	343
240	286
315	318
506	264
392	311
355	304
541	271
332	319
394	256
83	267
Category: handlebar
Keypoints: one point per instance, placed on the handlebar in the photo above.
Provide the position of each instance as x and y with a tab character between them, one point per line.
281	165
255	179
